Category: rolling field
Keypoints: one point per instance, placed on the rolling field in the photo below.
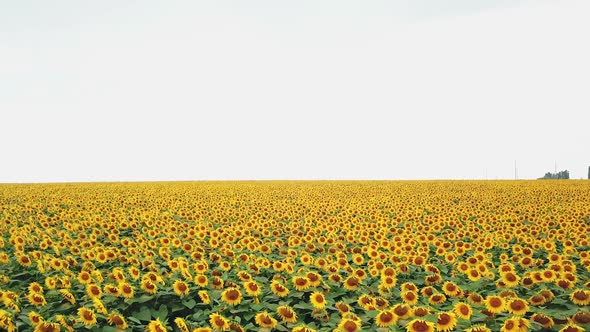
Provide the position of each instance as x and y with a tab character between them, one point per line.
296	256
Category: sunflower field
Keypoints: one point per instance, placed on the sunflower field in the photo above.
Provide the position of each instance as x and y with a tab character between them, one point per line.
296	256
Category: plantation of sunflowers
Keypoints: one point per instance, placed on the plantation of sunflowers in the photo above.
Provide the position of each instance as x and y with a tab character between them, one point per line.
417	256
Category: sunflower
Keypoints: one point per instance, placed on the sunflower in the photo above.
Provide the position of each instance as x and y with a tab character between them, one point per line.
537	300
548	275
84	278
349	325
126	290
24	260
436	298
46	327
351	283
446	321
478	328
36	299
381	303
156	326
112	290
278	289
181	324
61	319
451	289
542	319
35	318
511	325
201	280
495	304
517	306
409	297
231	296
564	283
572	328
302	328
264	319
252	288
510	279
218	322
343	308
463	310
180	288
287	314
314	279
385	318
475	299
87	316
581	317
66	294
93	291
35	287
116	319
301	283
204	296
402	311
148	286
99	306
318	300
419	325
580	297
388	281
473	274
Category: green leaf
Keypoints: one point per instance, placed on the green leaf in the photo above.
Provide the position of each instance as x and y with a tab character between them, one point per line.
143	314
190	303
161	313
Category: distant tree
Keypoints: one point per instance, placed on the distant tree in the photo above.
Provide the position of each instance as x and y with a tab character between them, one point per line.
563	175
588	172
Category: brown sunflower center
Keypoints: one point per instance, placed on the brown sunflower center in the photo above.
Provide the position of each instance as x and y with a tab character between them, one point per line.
444	319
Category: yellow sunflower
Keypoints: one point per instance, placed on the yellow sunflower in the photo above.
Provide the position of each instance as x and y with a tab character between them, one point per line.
36	299
301	283
156	326
446	321
252	288
126	290
264	319
287	314
318	300
66	294
35	318
201	280
148	286
218	322
419	325
495	304
93	291
87	316
546	321
204	296
463	310
517	306
278	289
181	324
180	288
385	318
231	296
580	297
118	320
46	327
349	325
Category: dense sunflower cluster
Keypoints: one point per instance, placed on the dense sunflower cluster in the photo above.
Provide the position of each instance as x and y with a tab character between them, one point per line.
296	256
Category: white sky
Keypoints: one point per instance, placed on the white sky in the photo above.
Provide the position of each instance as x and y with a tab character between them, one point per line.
306	89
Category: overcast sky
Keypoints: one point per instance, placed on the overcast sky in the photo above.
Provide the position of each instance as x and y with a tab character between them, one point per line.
270	89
